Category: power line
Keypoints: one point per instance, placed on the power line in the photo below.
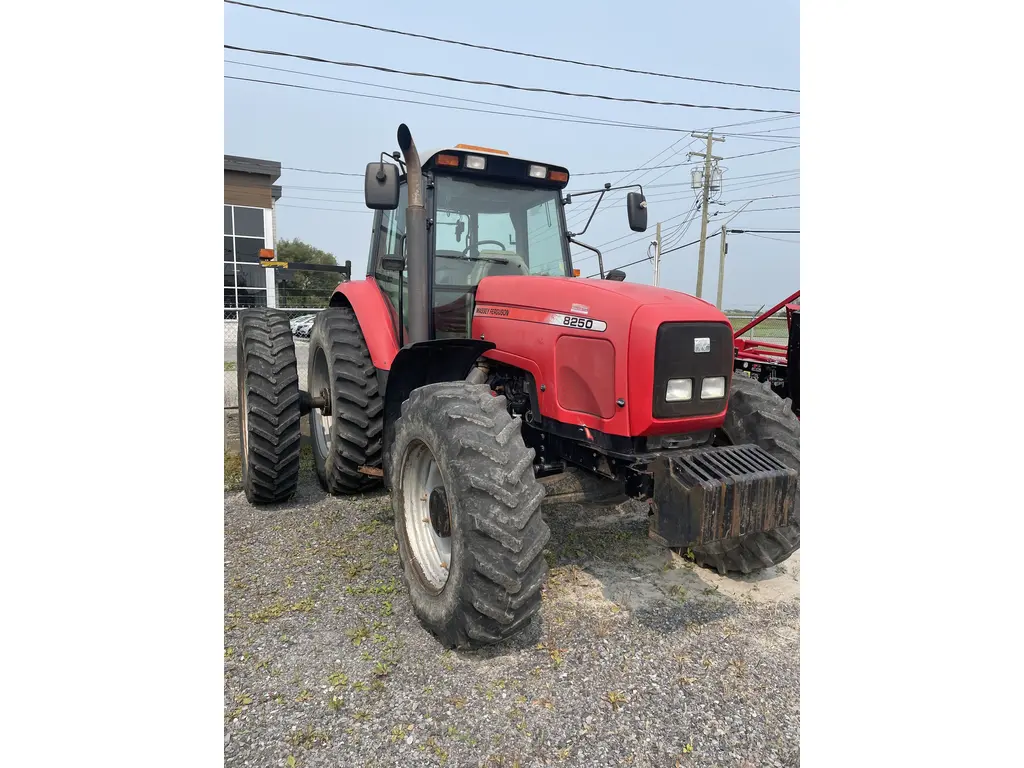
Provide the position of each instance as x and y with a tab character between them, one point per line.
763	231
313	170
776	239
640	261
681	230
745	185
315	208
772	139
763	152
635	240
611	195
692	242
766	130
509	51
648	170
680	165
574	175
788	172
603	121
452	106
758	210
766	197
507	86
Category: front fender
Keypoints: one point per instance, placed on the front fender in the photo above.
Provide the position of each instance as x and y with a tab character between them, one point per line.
376	318
426	362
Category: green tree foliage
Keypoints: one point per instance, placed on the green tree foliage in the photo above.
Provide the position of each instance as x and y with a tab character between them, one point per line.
304	289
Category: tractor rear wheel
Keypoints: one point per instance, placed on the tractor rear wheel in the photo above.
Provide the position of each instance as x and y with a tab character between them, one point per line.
467	514
757	415
346	441
268	406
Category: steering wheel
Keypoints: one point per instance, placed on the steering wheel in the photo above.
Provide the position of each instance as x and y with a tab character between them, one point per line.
497	243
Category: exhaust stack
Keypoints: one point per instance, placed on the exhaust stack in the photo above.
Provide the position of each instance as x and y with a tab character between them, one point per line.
418	319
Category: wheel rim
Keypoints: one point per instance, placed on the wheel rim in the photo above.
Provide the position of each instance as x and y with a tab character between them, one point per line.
427	517
319	422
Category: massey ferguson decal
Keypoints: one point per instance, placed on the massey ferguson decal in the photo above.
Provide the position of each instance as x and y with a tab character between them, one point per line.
540	316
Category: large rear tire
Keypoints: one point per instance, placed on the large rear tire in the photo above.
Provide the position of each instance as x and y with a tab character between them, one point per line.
268	406
757	415
467	514
347	442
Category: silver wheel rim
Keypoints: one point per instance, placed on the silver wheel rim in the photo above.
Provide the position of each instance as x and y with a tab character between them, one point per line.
319	422
431	551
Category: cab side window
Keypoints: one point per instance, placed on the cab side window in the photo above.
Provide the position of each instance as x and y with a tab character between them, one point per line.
392	243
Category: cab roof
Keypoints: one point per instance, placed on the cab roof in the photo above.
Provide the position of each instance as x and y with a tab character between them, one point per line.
475	150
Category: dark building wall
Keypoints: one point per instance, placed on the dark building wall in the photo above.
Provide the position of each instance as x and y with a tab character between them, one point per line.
247	189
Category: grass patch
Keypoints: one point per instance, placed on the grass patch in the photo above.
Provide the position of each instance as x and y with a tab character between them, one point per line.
309	737
232	472
598	544
231	366
306	463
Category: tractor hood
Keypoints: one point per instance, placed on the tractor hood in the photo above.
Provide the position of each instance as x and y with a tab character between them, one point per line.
599	299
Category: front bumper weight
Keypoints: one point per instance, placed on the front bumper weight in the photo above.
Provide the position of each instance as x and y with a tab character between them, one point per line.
709	494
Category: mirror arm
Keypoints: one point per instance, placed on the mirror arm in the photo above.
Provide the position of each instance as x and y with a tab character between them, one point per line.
600	258
384	158
607	188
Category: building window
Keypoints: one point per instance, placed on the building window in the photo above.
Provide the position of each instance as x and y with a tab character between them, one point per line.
245	282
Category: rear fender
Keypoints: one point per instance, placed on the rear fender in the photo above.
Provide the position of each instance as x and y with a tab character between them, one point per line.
375	316
426	362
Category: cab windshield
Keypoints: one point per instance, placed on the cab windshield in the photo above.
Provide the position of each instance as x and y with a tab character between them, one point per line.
485	229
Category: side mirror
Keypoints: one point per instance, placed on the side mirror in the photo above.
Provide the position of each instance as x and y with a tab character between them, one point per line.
381	186
636	208
617	274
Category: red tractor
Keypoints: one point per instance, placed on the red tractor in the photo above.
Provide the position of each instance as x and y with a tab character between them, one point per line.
472	367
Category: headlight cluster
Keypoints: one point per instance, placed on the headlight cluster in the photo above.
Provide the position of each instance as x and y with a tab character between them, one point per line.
681	390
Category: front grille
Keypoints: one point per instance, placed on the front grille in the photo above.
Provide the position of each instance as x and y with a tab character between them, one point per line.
675	358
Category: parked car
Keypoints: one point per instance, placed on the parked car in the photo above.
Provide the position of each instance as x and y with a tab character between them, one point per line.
302	321
302	329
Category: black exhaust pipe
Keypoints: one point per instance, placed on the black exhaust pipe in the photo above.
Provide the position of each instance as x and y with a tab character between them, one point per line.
418	318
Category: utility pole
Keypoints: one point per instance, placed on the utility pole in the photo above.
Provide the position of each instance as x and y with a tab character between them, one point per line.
705	194
721	268
657	255
724	251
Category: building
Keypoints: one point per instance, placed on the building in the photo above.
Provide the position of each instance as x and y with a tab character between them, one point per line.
249	226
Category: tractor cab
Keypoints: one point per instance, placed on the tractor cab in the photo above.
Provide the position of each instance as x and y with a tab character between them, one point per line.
488	214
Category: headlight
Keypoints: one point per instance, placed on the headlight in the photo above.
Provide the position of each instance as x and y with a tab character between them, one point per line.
679	390
713	388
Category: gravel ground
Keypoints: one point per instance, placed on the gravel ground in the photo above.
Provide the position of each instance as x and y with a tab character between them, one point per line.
636	659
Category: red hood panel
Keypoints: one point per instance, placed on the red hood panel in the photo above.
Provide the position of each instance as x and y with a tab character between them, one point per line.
593	298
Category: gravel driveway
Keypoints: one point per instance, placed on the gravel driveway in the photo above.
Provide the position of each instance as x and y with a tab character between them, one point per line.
636	659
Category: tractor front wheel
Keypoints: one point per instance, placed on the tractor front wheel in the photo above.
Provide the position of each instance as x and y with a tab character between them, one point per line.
467	514
757	415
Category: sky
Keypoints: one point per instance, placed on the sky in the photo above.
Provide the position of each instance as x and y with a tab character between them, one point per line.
747	42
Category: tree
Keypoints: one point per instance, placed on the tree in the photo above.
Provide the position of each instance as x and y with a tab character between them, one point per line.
304	289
